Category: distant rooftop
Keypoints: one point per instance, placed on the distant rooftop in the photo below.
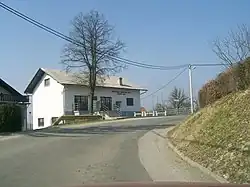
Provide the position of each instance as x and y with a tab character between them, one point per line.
71	79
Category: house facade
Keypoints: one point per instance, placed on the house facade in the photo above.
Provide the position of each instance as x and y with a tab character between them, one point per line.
9	95
55	93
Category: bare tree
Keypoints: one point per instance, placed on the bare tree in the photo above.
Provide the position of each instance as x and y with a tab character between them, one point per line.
160	107
233	48
93	52
178	98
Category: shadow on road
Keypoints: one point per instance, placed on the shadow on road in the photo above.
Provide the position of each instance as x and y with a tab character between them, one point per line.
76	132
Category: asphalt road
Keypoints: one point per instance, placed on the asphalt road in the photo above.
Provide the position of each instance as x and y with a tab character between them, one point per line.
65	157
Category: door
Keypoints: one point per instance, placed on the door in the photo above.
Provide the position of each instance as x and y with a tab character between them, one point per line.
106	103
118	105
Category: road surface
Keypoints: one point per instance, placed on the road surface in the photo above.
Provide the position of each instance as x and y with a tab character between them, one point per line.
67	157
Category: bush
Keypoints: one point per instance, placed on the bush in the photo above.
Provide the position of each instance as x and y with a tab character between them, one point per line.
233	79
10	118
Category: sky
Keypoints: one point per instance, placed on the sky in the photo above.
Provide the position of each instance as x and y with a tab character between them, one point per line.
159	32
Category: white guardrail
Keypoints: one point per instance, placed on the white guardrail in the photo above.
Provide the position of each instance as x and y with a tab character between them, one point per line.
169	112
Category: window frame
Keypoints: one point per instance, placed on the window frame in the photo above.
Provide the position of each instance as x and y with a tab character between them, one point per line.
128	101
53	119
81	103
39	122
47	82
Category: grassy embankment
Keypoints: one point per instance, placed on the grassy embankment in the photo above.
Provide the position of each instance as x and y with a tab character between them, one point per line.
218	137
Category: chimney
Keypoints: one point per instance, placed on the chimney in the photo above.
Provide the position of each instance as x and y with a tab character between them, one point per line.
120	81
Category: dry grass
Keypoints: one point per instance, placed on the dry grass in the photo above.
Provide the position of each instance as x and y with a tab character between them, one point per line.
218	137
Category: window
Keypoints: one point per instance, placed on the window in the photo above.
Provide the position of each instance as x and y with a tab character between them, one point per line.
106	103
40	122
46	82
53	119
130	101
81	103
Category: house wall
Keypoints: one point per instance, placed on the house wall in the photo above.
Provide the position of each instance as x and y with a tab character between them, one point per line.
47	102
30	114
24	117
72	90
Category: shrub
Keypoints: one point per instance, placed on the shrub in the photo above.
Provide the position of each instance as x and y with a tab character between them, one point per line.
10	118
233	79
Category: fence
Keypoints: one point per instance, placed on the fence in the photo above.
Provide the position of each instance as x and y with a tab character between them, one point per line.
13	99
168	112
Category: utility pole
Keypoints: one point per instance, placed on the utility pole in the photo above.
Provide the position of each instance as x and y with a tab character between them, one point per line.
162	99
153	103
190	68
190	87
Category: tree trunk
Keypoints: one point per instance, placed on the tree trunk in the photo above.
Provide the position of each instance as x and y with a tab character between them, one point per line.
92	93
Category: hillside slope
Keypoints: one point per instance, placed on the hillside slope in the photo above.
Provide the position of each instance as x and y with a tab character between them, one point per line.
218	137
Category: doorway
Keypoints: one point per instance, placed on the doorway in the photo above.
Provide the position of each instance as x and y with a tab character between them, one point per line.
106	103
118	105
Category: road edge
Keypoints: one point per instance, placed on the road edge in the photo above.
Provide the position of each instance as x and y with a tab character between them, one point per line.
155	169
195	164
100	123
10	137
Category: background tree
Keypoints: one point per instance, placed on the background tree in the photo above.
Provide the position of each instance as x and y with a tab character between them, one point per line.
178	98
235	47
160	107
93	54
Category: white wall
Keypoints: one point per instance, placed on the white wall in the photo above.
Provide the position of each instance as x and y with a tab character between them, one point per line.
30	114
47	102
71	90
3	91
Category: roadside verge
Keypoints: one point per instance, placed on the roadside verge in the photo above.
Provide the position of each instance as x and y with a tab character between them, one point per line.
8	137
100	123
164	164
195	164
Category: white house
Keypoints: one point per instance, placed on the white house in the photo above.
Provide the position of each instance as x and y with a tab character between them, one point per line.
55	93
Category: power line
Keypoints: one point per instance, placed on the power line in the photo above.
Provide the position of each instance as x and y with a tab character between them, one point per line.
152	67
64	37
120	59
206	65
165	85
30	20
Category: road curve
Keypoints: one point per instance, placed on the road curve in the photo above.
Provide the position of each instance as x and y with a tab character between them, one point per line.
73	156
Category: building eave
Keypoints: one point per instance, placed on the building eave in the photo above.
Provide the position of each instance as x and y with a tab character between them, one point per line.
111	87
33	83
9	88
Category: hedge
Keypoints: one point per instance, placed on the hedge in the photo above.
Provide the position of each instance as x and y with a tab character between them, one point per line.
10	118
233	79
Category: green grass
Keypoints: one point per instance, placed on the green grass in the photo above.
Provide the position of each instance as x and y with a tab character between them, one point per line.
218	137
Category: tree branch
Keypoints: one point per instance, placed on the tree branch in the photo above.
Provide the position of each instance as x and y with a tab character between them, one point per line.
233	48
93	52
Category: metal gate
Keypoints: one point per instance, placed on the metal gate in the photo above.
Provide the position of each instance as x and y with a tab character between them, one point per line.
106	103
